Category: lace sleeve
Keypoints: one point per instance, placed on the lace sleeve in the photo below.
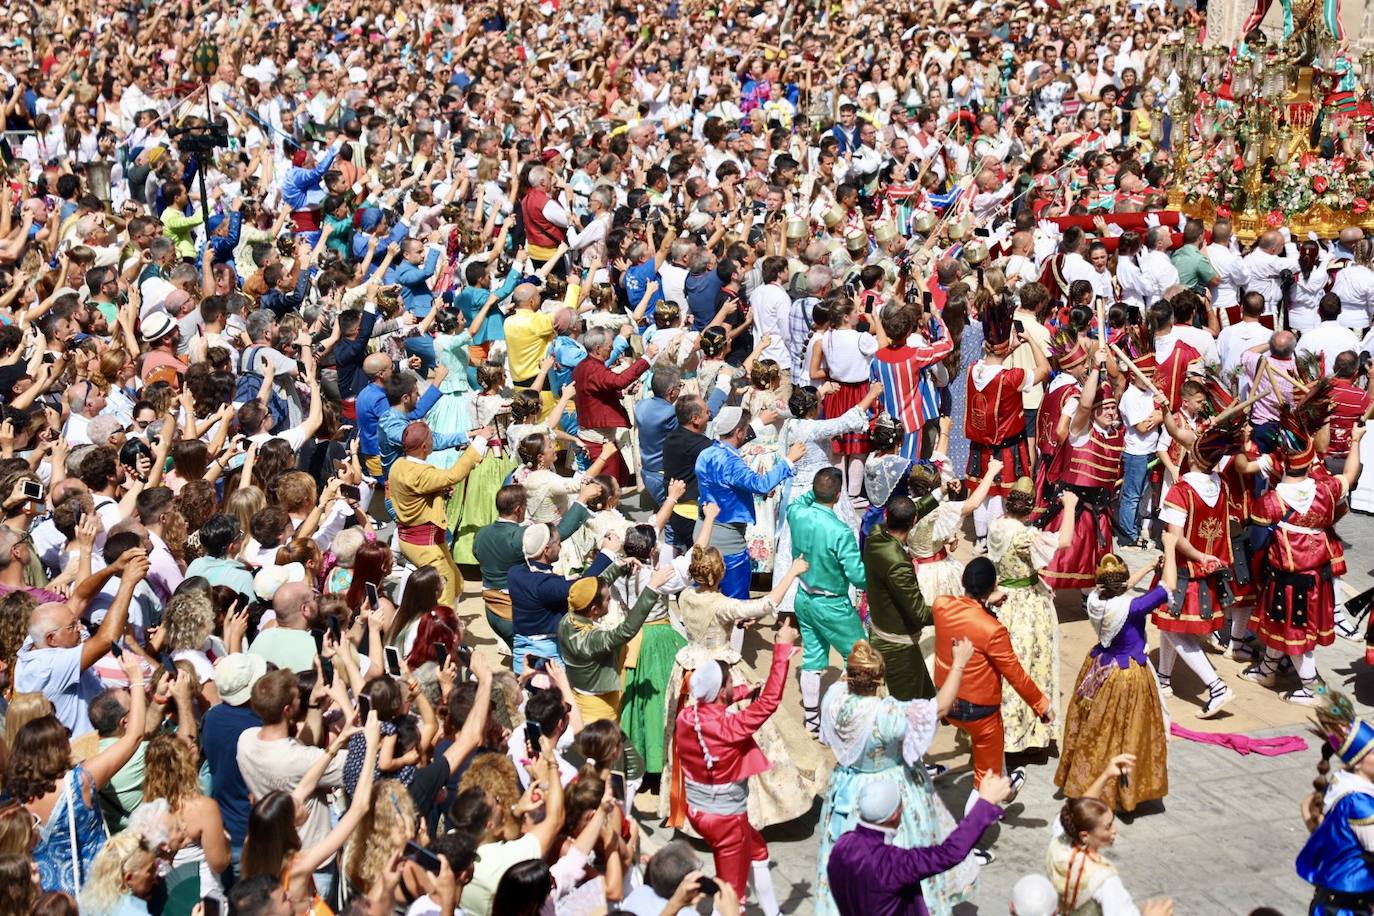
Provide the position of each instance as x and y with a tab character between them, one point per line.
949	518
921	720
1043	545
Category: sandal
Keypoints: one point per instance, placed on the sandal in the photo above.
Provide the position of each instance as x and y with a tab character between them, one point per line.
1017	777
983	857
1166	687
1218	695
935	770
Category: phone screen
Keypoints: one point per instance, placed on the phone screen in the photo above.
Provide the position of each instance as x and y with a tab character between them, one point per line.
334	629
209	906
440	654
168	665
422	857
348	491
364	706
371	594
33	489
393	661
532	734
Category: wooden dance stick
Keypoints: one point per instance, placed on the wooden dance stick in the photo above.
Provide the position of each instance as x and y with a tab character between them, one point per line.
1135	370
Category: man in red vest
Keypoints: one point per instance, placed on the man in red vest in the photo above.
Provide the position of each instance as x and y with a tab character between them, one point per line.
546	221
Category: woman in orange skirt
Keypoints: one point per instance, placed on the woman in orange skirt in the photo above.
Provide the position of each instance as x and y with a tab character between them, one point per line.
1116	707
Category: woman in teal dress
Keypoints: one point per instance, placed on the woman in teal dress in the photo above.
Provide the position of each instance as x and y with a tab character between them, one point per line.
454	412
873	737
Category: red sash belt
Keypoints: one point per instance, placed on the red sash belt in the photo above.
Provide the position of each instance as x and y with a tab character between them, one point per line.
424	535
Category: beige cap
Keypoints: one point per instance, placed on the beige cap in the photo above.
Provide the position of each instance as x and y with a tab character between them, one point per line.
797	228
884	232
975	252
924	222
833	216
856	240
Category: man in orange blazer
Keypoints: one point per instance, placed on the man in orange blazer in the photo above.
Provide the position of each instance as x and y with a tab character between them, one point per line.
978	709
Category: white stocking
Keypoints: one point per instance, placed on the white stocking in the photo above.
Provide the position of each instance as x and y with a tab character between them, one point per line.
854	474
762	880
1307	666
810	689
1187	649
982	517
1167	656
1240	626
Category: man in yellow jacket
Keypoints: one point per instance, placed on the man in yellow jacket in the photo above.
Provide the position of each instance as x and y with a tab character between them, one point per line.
418	490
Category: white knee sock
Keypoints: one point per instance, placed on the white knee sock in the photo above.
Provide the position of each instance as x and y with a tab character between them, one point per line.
737	639
1340	597
981	520
763	888
1187	648
854	471
1240	626
1167	656
1307	666
810	689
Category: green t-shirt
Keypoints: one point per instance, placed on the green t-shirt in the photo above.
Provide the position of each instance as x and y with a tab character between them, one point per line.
124	793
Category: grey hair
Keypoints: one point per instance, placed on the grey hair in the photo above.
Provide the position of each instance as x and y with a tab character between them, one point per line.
595	339
818	278
681	249
665	379
259	323
601	194
539	176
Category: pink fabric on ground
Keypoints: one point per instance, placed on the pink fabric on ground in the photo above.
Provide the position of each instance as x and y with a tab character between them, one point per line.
1243	744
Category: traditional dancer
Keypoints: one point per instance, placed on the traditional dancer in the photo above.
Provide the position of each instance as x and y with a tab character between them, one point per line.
1296	611
1196	512
1338	858
876	738
718	754
978	710
1020	553
1116	706
897	611
713	622
824	609
1052	420
995	420
929	541
1093	472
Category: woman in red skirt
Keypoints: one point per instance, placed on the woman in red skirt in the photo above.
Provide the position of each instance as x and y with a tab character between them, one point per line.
845	357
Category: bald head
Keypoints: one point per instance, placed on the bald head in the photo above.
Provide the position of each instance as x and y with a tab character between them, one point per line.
376	364
1271	241
290	603
1282	344
1350	235
526	296
563	320
47	619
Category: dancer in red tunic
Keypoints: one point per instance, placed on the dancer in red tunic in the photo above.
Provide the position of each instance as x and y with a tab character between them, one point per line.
1296	611
1096	439
994	418
717	752
1052	422
1196	511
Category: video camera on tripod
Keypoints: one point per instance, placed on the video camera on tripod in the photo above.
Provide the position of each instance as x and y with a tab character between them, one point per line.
201	137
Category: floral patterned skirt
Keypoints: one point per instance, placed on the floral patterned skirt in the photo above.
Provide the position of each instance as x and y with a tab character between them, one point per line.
1115	710
1028	614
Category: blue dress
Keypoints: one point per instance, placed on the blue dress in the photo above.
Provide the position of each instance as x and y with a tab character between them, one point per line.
1336	856
58	855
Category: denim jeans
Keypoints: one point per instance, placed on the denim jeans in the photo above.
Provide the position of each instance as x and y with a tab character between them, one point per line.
542	646
653	482
1135	473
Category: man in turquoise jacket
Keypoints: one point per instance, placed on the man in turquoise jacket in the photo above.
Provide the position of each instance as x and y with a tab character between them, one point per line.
825	614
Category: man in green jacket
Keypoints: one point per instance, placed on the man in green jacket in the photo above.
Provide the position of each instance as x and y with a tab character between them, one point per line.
825	614
897	611
592	653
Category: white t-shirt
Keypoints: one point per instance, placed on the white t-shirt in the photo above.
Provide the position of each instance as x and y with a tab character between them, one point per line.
1136	406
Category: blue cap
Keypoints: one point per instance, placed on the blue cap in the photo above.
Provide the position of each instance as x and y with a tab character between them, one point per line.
1357	743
